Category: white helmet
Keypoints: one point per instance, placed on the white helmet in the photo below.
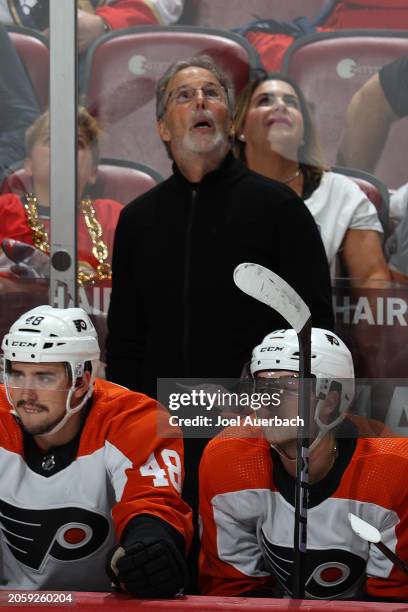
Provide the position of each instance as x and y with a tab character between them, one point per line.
331	364
54	335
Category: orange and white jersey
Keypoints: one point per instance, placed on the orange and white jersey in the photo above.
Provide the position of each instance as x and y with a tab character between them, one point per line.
61	513
247	515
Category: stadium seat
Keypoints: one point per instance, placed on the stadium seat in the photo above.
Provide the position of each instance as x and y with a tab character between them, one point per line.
121	73
235	13
116	180
374	189
32	48
330	68
125	181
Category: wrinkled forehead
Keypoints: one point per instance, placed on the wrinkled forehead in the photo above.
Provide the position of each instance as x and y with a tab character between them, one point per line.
192	76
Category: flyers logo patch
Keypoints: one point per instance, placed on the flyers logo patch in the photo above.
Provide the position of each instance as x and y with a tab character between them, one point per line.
67	534
329	573
332	340
80	325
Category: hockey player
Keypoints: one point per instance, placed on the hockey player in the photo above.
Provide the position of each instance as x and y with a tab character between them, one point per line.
247	487
85	481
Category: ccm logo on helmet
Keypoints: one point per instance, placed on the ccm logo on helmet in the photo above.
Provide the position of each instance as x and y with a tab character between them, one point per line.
271	348
29	344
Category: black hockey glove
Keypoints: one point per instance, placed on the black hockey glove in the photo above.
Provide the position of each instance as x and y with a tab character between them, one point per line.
149	563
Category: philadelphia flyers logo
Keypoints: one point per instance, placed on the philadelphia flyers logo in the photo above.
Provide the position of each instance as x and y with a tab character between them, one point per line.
332	340
66	534
80	325
329	573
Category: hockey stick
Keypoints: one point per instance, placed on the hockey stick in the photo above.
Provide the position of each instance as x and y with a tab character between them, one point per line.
270	289
371	534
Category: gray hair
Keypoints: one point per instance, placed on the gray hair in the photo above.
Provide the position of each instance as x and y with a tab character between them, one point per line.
198	61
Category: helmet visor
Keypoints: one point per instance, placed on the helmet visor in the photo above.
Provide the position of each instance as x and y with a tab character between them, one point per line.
40	377
285	386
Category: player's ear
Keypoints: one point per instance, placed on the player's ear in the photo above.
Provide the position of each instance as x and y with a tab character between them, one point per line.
82	385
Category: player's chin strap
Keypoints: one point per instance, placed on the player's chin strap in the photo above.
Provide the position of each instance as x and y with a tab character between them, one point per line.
68	410
324	428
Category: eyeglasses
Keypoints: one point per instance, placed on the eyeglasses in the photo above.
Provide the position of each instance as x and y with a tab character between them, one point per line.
185	94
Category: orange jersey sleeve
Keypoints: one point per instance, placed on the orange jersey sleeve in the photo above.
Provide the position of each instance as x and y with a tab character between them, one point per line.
146	470
376	476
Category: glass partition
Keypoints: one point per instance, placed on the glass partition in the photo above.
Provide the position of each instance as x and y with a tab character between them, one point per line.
24	169
120	155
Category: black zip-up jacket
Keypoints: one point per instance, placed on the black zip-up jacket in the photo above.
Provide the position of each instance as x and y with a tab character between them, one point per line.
175	311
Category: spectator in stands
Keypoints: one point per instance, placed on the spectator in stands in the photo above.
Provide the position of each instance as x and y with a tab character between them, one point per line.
276	137
26	218
18	106
382	100
95	17
177	245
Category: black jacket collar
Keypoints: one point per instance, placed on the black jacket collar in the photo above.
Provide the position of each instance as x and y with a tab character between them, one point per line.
229	169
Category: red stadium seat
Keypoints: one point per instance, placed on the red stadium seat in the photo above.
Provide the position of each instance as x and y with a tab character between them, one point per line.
34	53
330	68
125	181
235	13
374	189
122	70
116	180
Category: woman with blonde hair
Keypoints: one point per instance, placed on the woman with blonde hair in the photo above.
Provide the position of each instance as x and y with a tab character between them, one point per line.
275	135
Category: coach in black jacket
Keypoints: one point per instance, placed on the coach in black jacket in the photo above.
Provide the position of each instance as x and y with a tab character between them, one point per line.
175	311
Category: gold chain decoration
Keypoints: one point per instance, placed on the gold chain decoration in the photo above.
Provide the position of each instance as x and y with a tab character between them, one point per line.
99	248
86	274
40	236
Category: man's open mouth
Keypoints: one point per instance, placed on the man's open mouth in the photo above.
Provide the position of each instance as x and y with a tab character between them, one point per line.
203	124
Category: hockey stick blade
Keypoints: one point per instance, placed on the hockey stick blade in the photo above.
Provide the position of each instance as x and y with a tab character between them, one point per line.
269	288
371	534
